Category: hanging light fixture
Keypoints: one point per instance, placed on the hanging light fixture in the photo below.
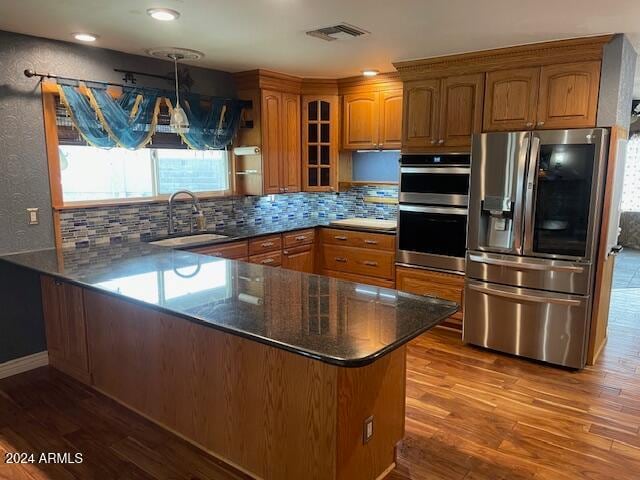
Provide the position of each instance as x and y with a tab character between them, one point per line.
179	122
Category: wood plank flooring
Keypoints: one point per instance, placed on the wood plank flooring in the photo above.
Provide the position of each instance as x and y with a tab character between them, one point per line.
471	415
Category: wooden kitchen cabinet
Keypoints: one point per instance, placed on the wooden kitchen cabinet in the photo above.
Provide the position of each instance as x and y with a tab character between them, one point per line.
390	119
64	317
320	140
233	250
436	284
300	258
460	109
360	121
420	113
372	120
563	95
280	142
569	95
511	99
442	113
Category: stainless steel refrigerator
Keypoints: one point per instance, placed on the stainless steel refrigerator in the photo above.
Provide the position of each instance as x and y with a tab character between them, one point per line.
535	205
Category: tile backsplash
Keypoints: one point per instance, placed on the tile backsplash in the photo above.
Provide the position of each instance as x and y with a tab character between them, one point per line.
99	225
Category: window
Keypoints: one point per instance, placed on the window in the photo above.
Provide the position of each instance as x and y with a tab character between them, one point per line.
90	174
631	185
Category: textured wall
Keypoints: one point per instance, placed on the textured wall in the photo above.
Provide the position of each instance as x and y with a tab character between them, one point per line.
24	180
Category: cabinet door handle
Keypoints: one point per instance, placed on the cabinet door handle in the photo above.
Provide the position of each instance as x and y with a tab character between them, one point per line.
440	142
529	124
300	238
540	124
370	263
340	238
433	142
57	283
267	261
266	244
340	259
371	242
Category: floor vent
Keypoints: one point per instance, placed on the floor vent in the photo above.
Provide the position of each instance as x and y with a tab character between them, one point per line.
342	31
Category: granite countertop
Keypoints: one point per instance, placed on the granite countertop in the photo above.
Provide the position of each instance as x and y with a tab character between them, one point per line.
250	231
331	320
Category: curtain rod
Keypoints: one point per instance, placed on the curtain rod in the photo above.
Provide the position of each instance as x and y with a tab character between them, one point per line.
30	73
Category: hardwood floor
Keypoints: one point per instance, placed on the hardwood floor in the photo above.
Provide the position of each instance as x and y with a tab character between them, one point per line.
471	414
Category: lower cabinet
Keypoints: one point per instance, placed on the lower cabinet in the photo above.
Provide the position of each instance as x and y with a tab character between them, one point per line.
300	258
356	256
234	250
64	317
438	284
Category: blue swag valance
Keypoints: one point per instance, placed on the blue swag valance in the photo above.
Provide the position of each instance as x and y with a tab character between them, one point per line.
130	120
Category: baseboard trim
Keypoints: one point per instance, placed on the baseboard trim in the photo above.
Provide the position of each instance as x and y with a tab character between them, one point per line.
24	364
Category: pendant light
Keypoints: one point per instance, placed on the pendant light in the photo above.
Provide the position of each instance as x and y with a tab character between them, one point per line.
179	122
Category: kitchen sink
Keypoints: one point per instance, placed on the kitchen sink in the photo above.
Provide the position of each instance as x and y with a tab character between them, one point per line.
188	240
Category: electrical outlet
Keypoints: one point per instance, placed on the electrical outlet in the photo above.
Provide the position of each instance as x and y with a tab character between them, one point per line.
32	216
367	432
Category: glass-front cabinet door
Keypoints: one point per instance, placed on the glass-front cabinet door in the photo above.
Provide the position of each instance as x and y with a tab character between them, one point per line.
563	195
320	142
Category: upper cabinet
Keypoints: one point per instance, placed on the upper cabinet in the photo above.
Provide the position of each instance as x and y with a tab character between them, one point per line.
563	95
549	85
511	99
372	120
569	95
419	125
320	140
280	142
442	113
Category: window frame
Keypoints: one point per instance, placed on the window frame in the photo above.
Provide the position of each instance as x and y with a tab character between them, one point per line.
49	93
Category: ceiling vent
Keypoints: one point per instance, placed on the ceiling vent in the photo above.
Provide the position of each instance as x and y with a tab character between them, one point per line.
343	31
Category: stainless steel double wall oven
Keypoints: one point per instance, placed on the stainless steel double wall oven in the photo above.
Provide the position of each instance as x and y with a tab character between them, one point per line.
432	217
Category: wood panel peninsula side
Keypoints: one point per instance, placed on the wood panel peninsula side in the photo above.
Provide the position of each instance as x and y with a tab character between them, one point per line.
279	373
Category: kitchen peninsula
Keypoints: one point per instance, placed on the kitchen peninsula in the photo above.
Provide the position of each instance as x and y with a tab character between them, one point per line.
281	374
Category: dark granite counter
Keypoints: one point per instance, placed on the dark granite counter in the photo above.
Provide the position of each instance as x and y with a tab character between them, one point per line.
250	231
331	320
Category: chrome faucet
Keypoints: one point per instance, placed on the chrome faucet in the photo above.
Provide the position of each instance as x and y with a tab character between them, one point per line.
196	209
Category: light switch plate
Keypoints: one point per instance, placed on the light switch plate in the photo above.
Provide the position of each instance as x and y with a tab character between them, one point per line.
32	216
367	431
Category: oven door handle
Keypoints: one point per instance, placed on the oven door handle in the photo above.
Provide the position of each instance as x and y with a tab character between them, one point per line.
523	297
443	210
437	170
524	265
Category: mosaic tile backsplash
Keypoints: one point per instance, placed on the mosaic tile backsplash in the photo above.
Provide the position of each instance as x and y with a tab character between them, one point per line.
90	226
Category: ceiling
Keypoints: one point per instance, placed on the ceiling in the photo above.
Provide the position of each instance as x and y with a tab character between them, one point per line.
245	34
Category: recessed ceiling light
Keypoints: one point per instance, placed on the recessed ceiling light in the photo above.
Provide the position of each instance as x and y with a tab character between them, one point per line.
163	14
370	73
85	37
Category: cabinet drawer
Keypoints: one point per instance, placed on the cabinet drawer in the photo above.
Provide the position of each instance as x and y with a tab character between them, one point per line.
300	237
273	259
269	243
235	250
358	260
352	277
351	238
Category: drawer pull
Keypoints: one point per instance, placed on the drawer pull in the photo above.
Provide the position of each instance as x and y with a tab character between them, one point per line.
371	242
370	263
267	261
301	238
340	259
338	237
267	244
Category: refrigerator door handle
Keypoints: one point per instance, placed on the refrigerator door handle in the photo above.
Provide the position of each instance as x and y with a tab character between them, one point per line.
524	265
529	210
517	214
523	297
